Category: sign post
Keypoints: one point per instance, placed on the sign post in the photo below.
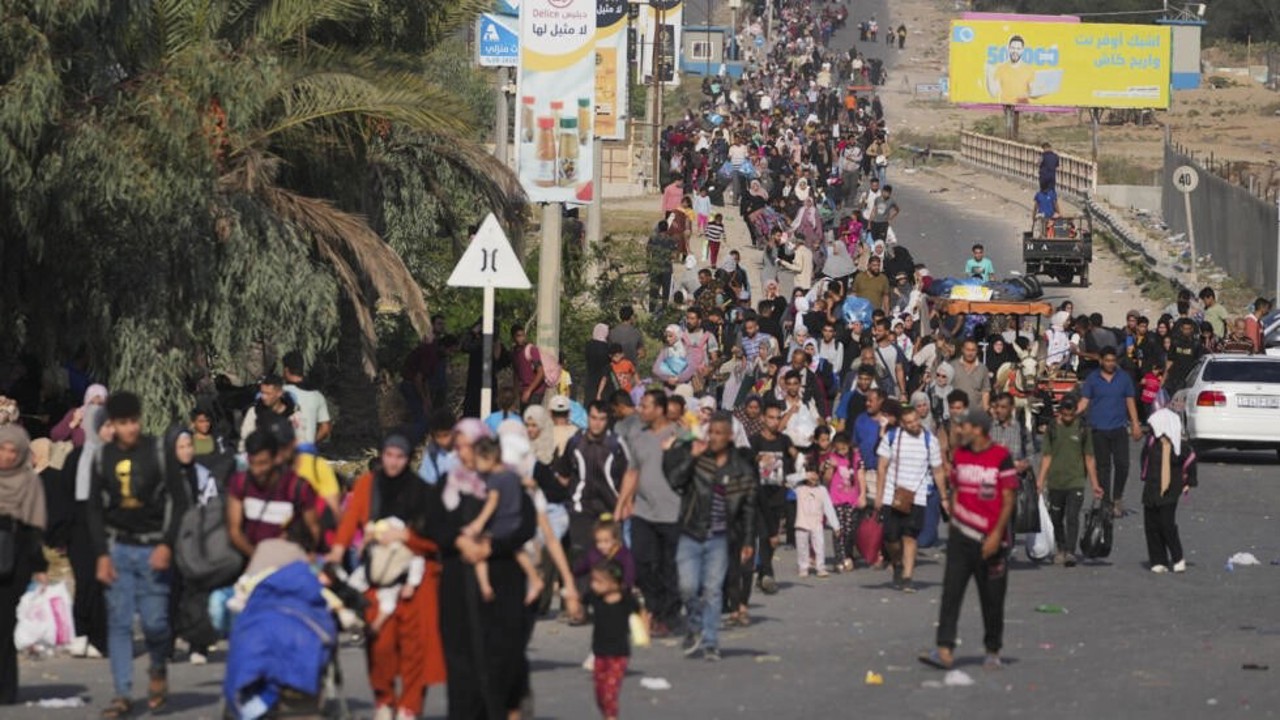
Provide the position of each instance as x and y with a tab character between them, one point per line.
489	262
1186	180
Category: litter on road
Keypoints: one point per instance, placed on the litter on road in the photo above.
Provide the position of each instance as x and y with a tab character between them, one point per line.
655	683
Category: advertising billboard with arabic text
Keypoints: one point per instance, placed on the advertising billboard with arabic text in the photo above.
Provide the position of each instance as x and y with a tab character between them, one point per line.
1060	64
555	119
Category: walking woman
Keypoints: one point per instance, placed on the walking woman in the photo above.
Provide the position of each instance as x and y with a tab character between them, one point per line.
484	642
22	520
597	356
188	602
1168	471
407	645
89	607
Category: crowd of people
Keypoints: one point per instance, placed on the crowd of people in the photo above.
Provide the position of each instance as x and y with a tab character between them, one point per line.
653	496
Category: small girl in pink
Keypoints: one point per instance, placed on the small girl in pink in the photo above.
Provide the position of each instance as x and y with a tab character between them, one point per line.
842	471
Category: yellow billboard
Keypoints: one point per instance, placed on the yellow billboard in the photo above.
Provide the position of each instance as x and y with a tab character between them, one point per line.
1007	62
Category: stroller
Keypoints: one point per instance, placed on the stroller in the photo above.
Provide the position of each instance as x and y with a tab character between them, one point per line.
283	656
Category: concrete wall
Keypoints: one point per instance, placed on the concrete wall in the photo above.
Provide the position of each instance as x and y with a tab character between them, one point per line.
1143	197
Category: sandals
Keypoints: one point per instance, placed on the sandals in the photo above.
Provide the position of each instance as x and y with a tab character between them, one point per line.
157	690
934	660
118	709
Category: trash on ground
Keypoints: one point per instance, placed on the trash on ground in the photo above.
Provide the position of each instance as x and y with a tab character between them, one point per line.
768	658
1051	609
58	703
1046	646
1244	558
934	684
957	678
654	683
1254	666
874	678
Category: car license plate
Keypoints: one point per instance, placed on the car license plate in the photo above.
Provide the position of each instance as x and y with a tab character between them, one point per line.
1259	401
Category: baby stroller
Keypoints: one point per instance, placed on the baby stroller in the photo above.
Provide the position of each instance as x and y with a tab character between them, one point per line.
283	653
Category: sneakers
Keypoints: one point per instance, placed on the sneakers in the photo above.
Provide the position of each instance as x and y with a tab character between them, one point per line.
384	712
992	662
82	648
692	644
803	572
198	658
822	573
711	654
908	586
1180	566
1159	569
768	585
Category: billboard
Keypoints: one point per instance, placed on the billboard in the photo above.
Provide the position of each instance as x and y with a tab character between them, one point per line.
668	52
611	69
497	41
1008	62
556	83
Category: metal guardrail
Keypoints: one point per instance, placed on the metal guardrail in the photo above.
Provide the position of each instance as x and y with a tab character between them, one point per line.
1076	176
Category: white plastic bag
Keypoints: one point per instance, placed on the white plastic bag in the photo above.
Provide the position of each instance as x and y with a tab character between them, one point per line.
891	238
44	618
1040	546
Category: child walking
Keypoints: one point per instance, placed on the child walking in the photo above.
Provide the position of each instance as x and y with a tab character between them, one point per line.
842	471
714	231
500	516
813	504
702	209
610	635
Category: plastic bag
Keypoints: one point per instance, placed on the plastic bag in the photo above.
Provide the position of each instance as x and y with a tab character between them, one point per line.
856	308
44	618
1026	518
870	537
932	519
1041	545
1095	540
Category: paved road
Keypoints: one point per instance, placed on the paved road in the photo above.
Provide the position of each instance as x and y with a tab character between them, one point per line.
1132	645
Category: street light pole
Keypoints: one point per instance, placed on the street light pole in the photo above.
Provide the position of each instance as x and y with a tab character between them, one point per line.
659	15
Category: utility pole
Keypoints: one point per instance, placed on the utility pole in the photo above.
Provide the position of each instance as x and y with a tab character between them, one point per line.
549	289
660	16
500	120
594	219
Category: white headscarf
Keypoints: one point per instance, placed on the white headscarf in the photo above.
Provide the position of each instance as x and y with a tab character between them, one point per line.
1165	423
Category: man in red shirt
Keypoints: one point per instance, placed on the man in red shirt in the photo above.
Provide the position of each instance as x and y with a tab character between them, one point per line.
985	485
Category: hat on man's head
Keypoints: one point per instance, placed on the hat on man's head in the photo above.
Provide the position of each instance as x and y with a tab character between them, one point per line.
559	404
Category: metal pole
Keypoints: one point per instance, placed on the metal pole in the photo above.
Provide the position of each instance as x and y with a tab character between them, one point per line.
659	15
1191	236
500	141
706	72
1094	116
549	289
1278	247
486	381
595	220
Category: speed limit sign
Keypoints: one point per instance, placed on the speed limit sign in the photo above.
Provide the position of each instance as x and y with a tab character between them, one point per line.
1185	178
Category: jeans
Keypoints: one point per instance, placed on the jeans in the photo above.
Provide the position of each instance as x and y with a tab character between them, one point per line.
653	546
702	565
1111	450
964	560
138	590
1064	510
1164	546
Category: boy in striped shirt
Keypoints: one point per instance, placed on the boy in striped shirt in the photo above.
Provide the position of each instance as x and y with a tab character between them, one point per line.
715	235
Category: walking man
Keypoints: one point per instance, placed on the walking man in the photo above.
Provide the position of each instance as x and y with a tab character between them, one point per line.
985	491
717	487
907	458
1109	404
1068	459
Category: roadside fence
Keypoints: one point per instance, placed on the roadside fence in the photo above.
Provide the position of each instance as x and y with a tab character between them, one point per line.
1076	176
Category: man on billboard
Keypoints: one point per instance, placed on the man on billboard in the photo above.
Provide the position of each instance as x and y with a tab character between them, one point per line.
1010	82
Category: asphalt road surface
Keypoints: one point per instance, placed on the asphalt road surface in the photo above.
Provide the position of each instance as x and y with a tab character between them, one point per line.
1132	644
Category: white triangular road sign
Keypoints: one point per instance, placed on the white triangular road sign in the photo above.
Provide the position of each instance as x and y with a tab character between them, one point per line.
489	261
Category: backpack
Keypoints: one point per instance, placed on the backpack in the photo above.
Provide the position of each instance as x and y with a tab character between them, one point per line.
203	551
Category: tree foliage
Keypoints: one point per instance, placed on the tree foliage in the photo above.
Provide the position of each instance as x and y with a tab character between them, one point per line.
183	181
1228	19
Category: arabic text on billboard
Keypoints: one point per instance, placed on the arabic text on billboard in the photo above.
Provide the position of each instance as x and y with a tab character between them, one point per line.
1080	65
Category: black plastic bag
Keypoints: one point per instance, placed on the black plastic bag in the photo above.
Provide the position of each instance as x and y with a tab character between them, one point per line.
1095	540
1026	514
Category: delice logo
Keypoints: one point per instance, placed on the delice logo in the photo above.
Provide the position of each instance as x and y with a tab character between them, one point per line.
559	4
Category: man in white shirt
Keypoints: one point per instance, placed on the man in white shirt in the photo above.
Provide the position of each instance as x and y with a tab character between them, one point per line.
908	456
314	425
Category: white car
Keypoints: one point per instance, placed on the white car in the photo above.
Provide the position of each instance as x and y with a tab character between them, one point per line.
1234	401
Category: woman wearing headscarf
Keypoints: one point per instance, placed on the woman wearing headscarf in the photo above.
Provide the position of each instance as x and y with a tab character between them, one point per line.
407	646
189	603
89	607
1168	471
23	519
484	642
71	427
999	354
807	222
597	354
672	365
1057	341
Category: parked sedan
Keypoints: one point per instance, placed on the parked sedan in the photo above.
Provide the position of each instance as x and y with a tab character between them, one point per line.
1234	401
